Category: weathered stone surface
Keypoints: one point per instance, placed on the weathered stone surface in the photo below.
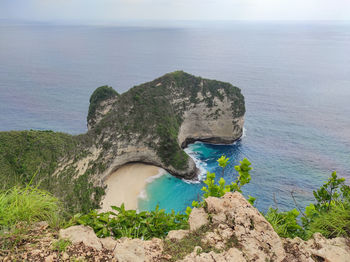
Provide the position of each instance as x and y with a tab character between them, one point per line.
332	250
231	255
130	250
108	243
255	235
84	234
136	250
197	126
177	234
153	249
198	218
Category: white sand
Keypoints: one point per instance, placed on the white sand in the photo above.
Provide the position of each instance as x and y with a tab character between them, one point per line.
126	184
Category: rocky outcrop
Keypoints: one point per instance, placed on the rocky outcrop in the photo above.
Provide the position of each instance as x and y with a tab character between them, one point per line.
318	248
228	229
198	218
153	122
217	125
77	234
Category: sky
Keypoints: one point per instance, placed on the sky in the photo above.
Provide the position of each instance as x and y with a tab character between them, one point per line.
202	10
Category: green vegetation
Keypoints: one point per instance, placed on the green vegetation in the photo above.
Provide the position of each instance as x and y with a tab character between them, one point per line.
100	94
330	215
61	245
129	223
24	153
29	205
151	112
285	223
218	190
157	223
154	112
20	207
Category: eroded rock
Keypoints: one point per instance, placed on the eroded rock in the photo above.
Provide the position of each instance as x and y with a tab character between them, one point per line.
108	243
330	250
136	250
77	234
198	218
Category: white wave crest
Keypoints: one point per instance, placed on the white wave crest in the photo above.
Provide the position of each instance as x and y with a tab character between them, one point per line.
199	164
244	133
143	194
161	173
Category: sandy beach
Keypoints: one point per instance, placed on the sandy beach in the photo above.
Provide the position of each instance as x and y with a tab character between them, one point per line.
126	184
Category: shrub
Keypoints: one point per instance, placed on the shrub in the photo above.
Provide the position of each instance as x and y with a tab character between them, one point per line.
220	189
285	223
129	223
100	94
330	215
28	204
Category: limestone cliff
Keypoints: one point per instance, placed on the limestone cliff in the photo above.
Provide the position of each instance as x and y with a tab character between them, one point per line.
150	123
153	122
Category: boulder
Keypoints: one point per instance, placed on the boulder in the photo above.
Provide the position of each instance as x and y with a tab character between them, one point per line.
108	243
329	250
136	250
77	234
198	218
258	240
130	250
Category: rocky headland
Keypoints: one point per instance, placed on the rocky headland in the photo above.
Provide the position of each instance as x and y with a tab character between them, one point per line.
151	123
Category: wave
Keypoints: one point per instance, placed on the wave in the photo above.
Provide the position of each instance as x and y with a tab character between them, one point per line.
201	165
244	133
143	193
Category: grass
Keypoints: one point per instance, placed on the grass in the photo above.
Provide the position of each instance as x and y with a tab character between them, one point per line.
334	223
28	204
20	207
61	245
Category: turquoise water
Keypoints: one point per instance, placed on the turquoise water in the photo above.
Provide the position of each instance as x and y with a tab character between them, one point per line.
295	78
274	177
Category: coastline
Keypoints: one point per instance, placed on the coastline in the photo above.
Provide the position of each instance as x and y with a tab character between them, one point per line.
127	185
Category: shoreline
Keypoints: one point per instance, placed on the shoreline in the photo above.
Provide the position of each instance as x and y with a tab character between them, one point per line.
127	184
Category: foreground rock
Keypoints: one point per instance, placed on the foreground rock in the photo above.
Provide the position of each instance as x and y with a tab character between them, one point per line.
136	250
228	229
40	243
77	234
317	248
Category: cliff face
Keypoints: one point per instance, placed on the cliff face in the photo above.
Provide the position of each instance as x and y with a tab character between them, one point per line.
153	122
150	123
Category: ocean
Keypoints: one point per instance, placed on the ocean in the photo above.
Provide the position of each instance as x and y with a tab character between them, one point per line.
295	78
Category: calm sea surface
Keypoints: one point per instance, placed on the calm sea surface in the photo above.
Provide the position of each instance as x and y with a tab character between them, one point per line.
295	78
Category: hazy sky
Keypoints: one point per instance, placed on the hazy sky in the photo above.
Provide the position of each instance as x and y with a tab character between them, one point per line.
117	10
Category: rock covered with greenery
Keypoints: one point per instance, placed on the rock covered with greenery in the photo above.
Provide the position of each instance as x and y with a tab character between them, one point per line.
150	123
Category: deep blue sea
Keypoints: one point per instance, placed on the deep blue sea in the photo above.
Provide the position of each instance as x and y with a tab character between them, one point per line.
295	78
